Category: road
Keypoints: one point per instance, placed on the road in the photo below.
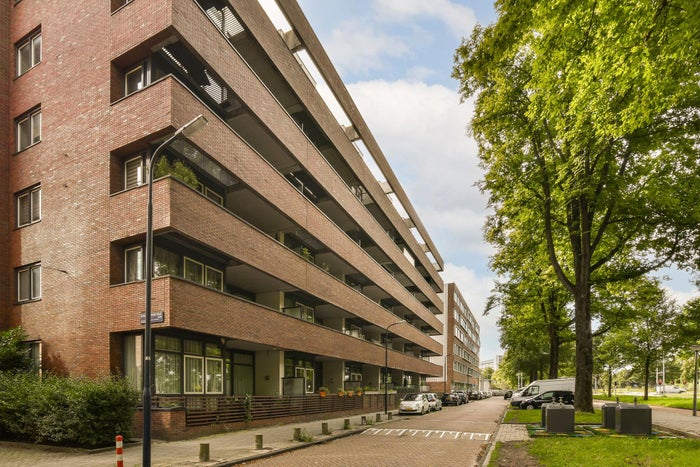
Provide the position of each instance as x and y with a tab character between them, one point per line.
452	436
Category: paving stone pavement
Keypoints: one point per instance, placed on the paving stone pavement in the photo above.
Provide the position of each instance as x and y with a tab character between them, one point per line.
239	446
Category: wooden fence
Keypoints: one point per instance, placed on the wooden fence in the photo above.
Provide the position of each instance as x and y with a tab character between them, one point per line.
208	410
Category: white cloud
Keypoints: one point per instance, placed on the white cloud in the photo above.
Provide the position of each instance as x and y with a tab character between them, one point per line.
421	130
458	18
356	45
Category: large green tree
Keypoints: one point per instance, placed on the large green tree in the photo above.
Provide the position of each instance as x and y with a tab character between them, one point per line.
586	118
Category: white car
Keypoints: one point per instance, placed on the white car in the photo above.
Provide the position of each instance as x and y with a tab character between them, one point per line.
434	402
669	389
414	403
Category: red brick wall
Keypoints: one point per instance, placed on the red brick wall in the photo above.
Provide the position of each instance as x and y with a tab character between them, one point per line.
6	57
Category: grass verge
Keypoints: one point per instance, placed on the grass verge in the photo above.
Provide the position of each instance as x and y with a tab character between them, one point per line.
614	451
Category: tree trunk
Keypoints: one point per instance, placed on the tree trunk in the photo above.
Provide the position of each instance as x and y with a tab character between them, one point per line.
583	398
647	365
609	381
553	351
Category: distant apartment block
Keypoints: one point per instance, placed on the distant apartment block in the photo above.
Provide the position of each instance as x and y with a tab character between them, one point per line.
460	342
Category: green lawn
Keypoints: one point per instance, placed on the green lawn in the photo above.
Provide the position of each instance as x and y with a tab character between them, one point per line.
677	401
614	450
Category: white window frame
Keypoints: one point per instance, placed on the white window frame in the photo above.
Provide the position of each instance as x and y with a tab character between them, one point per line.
140	270
187	261
144	71
209	389
33	120
214	196
140	171
186	368
34	284
34	206
207	271
33	43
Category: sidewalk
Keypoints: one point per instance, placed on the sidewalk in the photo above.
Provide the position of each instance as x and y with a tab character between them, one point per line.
236	447
225	449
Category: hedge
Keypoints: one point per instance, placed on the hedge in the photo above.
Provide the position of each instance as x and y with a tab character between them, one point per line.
80	412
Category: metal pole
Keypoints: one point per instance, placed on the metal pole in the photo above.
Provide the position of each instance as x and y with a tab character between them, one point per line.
386	365
695	349
186	130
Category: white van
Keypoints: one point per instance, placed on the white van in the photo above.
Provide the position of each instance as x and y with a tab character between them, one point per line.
541	385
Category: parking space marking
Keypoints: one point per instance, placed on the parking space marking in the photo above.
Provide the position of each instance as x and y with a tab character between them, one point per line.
440	434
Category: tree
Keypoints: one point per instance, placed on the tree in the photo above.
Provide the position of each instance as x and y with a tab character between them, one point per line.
652	334
586	119
14	353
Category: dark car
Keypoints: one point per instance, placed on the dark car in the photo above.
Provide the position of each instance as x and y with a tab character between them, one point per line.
508	394
464	396
566	397
451	398
474	395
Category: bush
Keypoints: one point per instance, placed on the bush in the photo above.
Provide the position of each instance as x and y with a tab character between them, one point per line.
13	352
66	411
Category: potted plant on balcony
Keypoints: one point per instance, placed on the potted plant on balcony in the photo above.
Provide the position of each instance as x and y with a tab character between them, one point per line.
341	392
322	391
350	392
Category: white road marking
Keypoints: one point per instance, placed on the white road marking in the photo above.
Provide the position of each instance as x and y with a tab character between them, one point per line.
439	434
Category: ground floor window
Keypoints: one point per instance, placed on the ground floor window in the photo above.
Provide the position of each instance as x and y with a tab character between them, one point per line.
300	366
243	374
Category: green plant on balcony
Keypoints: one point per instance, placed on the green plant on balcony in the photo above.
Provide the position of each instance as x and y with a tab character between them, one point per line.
178	170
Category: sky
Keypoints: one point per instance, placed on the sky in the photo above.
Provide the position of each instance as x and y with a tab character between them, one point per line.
396	58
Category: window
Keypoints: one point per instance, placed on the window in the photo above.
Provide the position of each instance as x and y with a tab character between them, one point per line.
194	374
215	278
28	53
168	365
28	130
136	79
29	206
133	360
29	283
133	267
133	172
194	271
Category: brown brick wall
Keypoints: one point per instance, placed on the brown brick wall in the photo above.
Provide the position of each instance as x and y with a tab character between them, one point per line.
6	51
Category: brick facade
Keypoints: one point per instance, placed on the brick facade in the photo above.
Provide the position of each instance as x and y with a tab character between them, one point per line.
269	189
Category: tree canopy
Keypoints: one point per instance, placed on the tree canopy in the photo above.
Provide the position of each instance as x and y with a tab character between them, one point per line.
586	118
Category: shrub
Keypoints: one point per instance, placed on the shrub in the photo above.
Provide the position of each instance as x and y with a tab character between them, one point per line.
67	411
13	352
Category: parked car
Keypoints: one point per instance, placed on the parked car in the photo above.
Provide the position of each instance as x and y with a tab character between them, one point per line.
463	395
414	403
451	398
474	395
434	402
669	389
566	397
507	394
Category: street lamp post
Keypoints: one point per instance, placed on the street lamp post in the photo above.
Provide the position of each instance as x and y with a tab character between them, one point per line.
186	130
386	364
695	349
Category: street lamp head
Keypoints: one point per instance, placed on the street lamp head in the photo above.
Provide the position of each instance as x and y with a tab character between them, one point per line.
193	126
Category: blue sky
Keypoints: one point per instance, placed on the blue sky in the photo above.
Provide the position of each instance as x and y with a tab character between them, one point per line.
396	57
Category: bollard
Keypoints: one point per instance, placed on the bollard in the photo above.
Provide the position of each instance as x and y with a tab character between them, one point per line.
346	424
324	428
297	434
204	452
258	442
389	415
378	417
120	451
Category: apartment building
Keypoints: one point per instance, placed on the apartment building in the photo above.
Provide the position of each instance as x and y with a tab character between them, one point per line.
460	342
280	263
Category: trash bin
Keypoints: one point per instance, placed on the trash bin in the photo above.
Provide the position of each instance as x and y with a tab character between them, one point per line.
609	415
560	418
633	419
